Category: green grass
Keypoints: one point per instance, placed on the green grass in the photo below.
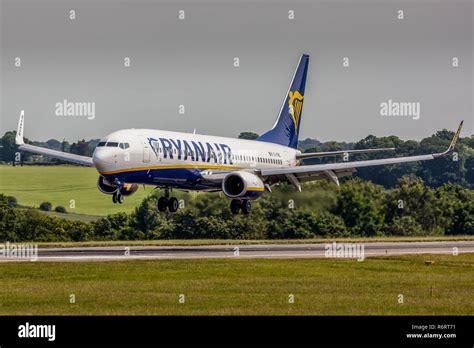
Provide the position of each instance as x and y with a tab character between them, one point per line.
32	185
242	287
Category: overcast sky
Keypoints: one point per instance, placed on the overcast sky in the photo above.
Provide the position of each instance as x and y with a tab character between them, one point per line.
190	62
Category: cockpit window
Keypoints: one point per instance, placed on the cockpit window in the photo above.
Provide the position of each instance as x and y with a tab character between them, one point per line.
113	144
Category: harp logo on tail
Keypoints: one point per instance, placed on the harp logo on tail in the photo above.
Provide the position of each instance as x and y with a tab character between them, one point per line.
295	103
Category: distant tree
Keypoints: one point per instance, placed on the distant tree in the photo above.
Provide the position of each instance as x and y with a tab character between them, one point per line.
54	144
463	219
404	226
469	165
60	209
78	231
81	148
8	148
358	204
431	209
12	201
308	143
46	206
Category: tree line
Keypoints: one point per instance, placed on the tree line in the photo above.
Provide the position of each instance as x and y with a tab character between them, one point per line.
357	208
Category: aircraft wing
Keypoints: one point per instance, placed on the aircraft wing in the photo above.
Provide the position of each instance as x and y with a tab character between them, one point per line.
69	157
307	155
333	171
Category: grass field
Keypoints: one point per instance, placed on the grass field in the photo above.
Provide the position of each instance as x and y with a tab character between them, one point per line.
242	287
32	185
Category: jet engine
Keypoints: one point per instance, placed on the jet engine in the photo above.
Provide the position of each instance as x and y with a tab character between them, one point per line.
105	186
243	185
128	189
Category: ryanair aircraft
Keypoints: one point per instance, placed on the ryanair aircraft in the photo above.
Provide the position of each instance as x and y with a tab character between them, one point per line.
242	169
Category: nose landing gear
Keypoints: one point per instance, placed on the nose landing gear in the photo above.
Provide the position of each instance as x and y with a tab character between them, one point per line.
237	205
117	197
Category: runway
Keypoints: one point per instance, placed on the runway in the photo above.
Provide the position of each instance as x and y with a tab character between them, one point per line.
263	251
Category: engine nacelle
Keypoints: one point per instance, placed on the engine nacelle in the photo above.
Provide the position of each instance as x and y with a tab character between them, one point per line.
129	189
105	186
243	185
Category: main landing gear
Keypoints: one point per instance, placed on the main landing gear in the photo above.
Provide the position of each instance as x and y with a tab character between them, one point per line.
166	201
237	205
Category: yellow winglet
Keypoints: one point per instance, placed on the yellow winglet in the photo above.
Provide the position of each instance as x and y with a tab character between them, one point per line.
455	138
452	145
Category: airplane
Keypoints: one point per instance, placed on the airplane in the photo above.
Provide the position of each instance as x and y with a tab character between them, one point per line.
241	169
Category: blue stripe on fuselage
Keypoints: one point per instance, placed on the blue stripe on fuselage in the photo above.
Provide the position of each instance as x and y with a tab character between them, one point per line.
185	178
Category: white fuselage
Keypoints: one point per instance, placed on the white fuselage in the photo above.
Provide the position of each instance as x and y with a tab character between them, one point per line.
155	157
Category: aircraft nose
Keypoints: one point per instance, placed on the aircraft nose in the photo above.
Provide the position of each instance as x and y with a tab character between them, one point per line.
102	157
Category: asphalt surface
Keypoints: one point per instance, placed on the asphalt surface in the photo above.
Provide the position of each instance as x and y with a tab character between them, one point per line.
352	250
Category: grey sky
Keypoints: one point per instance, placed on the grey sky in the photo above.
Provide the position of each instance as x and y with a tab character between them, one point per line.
190	62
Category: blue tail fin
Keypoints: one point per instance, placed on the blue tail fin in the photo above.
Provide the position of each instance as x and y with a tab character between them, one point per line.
286	129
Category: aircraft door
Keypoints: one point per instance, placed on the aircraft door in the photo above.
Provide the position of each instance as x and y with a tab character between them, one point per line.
146	152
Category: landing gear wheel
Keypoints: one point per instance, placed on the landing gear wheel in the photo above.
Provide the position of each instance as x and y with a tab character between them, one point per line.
162	203
119	198
235	206
246	207
173	204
